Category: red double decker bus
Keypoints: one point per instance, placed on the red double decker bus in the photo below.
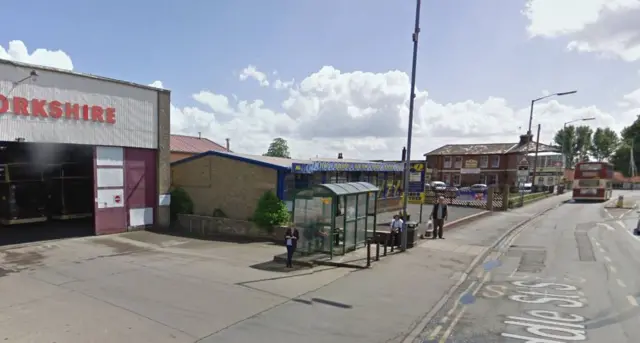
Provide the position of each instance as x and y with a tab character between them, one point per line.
593	181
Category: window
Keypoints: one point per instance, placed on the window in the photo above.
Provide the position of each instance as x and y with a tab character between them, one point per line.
588	183
492	179
456	180
484	161
495	161
457	162
447	162
447	178
483	179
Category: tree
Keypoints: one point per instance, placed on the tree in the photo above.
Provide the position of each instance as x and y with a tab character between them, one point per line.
278	148
622	156
270	212
604	143
583	142
566	138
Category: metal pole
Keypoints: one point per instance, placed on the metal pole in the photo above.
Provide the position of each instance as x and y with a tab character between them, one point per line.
416	32
530	117
535	159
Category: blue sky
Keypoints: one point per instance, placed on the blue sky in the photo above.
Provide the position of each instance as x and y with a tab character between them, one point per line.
469	50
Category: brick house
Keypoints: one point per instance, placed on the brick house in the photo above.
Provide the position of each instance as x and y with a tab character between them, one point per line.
491	163
186	146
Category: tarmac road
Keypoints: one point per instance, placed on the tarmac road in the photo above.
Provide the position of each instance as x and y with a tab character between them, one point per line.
570	275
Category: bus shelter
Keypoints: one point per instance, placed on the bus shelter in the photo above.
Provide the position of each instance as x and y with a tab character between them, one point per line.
335	218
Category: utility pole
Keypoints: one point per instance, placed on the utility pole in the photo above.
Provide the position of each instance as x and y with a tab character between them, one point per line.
407	163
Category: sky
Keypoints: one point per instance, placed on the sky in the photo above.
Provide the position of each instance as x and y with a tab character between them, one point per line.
334	76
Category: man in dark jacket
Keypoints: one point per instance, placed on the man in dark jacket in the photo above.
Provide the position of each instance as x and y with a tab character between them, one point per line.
439	214
291	237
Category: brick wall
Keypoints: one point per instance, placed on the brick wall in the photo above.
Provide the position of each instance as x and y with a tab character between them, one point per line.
215	182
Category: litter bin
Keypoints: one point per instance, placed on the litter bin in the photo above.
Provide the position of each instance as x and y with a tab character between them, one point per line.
412	233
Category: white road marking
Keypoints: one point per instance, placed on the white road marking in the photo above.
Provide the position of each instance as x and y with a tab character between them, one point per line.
602	250
609	214
598	244
613	269
607	258
632	300
609	227
624	214
621	283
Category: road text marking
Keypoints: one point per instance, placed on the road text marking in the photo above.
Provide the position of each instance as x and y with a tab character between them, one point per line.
621	283
632	300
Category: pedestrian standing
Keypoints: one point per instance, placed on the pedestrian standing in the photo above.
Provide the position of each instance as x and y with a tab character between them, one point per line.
291	237
439	214
395	229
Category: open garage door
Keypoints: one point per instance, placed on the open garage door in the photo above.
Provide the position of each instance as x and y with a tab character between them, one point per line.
110	212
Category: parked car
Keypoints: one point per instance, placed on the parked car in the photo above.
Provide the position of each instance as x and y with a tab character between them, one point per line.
478	188
465	189
438	186
526	187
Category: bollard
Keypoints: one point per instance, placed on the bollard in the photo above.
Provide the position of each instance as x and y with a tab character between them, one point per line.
368	252
620	202
386	243
378	249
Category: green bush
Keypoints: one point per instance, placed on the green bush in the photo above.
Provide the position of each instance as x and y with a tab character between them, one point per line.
270	212
181	203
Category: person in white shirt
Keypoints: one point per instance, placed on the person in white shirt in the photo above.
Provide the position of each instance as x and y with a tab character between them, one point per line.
396	228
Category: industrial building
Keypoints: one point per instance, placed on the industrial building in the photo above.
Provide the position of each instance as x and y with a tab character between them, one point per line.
80	154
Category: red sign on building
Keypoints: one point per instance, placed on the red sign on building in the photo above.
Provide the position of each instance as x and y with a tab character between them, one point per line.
57	110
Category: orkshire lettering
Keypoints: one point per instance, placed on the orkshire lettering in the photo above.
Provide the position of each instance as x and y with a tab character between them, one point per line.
56	110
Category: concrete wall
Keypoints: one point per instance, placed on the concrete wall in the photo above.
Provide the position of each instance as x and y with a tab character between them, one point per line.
164	167
216	182
214	227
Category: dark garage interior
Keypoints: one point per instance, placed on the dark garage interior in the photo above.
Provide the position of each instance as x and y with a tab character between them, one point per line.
46	191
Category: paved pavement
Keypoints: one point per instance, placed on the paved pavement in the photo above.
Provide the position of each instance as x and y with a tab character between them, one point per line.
455	213
145	287
569	275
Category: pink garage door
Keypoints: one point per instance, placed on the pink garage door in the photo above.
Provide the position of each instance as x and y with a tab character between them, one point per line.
140	186
110	213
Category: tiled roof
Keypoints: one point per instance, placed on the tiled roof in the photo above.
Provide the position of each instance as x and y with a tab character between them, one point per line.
490	149
473	149
194	145
532	148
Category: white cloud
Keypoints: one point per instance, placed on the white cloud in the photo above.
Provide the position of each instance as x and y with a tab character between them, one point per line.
251	72
17	51
606	27
365	115
157	84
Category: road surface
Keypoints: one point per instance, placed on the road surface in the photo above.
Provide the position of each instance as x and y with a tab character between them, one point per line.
570	275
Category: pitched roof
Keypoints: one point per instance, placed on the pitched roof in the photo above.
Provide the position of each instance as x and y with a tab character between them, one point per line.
490	149
195	145
473	149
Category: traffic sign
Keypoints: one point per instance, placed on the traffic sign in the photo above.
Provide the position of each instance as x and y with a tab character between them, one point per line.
524	162
117	199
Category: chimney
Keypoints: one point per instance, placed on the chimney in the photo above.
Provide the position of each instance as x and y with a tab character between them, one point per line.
199	135
404	154
339	155
525	139
228	139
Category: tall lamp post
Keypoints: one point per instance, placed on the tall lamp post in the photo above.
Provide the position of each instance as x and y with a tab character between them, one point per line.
407	162
542	98
529	135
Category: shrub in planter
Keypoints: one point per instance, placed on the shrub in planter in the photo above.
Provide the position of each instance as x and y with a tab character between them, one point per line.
270	212
181	203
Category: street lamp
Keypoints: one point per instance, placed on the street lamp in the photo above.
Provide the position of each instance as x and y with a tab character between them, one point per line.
407	160
564	131
542	98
